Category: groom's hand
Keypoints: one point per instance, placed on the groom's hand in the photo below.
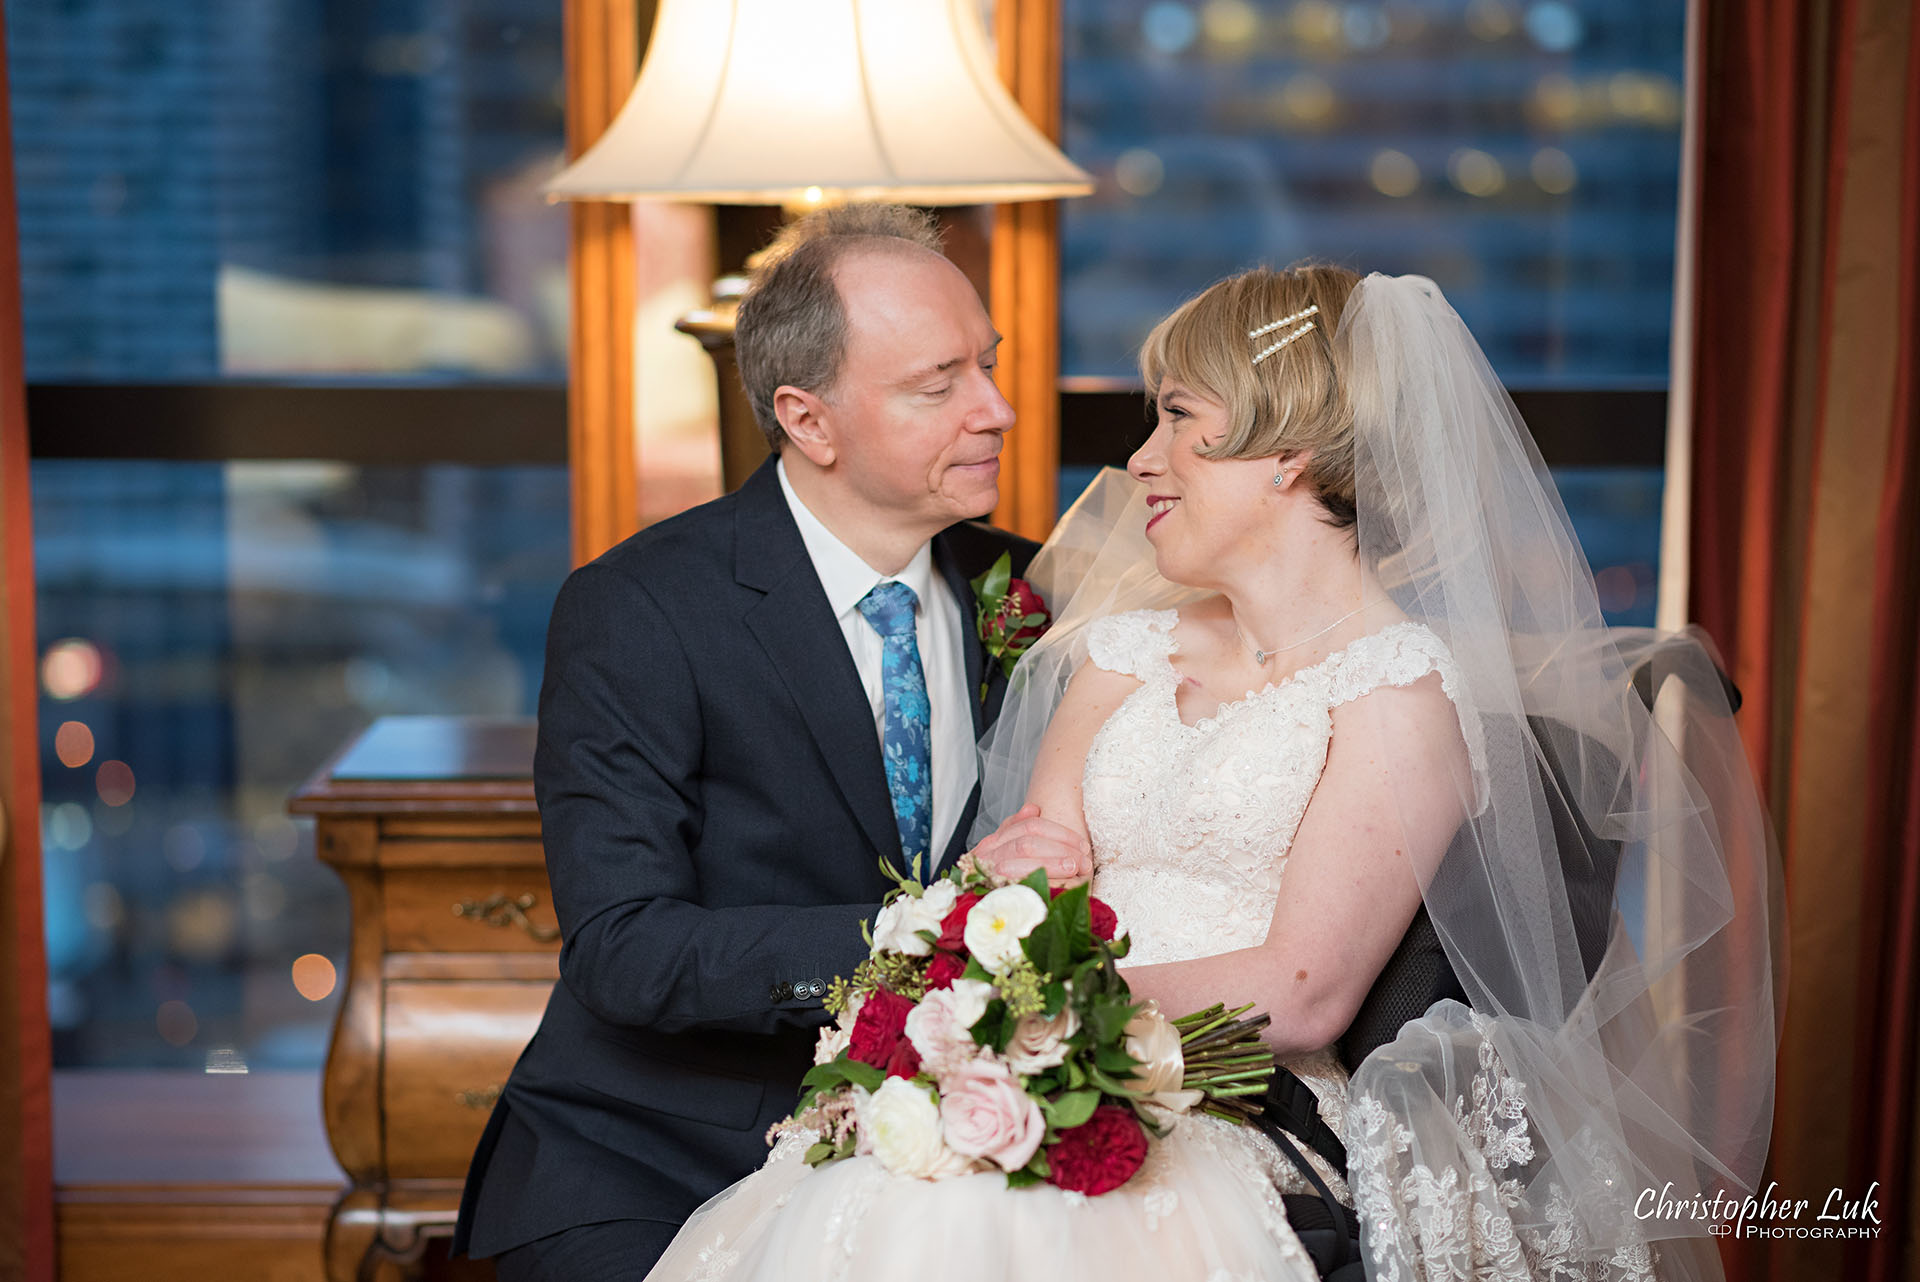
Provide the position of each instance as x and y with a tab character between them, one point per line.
1025	841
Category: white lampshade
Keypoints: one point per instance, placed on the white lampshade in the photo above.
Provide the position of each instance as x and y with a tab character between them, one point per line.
760	102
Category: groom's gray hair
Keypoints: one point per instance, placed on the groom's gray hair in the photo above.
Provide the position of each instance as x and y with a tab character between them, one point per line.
791	330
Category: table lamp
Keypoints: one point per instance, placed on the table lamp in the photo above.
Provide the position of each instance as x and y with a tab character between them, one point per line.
802	103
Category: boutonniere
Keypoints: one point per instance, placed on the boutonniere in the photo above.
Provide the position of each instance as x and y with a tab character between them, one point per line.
1008	615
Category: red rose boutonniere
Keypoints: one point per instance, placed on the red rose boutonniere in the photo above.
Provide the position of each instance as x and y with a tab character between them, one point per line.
1009	615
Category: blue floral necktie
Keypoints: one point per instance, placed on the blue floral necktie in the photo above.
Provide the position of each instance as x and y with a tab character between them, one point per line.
906	737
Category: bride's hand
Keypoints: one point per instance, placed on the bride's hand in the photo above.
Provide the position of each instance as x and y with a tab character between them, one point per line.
1025	841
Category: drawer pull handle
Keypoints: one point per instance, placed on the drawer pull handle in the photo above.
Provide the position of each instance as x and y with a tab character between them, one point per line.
498	910
480	1099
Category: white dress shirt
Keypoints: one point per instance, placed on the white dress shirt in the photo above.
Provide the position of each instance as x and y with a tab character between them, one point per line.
939	620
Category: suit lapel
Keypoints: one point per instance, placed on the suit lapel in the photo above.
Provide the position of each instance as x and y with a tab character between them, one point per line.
979	670
970	647
795	626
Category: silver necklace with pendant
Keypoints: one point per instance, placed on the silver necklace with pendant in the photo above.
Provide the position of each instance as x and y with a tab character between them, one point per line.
1261	656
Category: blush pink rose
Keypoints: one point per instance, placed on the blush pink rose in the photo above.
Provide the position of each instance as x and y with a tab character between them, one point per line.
984	1113
940	1028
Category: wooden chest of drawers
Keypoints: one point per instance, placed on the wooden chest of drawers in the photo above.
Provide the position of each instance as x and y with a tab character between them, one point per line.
431	823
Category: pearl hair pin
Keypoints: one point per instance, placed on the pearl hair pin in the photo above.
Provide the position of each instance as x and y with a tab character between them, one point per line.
1310	310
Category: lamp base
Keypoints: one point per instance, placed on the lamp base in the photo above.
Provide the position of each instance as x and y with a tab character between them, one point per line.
743	447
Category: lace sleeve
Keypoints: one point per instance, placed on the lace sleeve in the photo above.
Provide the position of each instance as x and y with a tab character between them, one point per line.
1400	656
1135	644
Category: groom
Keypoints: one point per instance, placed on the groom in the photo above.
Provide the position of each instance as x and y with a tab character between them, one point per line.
714	797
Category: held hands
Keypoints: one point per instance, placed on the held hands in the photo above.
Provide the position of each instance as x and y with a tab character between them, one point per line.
1024	841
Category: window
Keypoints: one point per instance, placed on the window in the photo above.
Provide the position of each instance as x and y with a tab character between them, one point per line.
296	348
1523	155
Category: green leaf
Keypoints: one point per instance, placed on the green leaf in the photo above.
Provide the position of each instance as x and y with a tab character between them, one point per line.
993	584
1108	1084
1024	1179
831	1073
987	1027
1114	1059
1033	620
1076	1074
1055	997
1107	1018
1039	1165
1036	881
820	1152
1071	1109
975	970
863	1074
1046	947
1075	916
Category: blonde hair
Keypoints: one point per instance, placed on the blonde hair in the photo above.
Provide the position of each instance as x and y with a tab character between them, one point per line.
1294	399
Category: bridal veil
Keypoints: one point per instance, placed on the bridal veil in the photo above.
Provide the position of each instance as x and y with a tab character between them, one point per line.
1611	906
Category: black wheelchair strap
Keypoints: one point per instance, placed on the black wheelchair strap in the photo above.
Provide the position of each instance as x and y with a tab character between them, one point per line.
1291	1103
1341	1253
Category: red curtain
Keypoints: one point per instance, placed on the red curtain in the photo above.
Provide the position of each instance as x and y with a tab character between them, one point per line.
26	1075
1805	560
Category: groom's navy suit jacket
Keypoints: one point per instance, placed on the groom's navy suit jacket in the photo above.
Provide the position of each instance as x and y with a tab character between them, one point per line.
714	811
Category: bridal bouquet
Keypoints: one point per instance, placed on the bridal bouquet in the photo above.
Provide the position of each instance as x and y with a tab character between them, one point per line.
989	1029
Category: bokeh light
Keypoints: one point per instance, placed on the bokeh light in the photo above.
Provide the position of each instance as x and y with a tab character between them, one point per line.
1139	172
265	896
1490	19
114	782
1556	100
184	846
1366	27
71	668
1616	588
1317	23
104	908
1169	26
1309	98
1394	173
1554	171
313	977
1475	172
276	837
73	744
176	1022
69	826
202	925
1555	26
1232	24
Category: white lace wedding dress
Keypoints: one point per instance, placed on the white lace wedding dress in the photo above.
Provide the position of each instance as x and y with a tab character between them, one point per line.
1190	828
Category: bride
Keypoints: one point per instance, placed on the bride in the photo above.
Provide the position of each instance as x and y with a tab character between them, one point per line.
1332	659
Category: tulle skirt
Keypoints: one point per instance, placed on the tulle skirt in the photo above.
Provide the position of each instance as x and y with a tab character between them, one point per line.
1205	1207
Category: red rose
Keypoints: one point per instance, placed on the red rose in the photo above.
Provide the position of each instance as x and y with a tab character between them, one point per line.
1100	1155
1020	601
881	1028
953	927
945	969
1106	923
905	1060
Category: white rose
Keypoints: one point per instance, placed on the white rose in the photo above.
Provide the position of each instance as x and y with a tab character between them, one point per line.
941	1026
1039	1043
900	1122
999	922
897	928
